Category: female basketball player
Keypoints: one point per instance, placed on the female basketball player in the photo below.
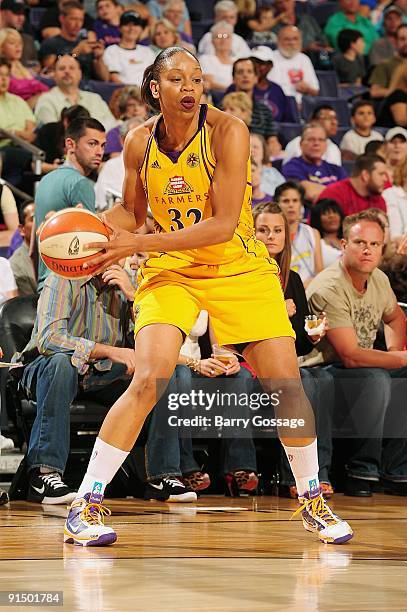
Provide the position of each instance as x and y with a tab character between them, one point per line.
191	164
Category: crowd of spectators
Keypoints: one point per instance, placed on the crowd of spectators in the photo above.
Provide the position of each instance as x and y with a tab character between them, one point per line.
325	101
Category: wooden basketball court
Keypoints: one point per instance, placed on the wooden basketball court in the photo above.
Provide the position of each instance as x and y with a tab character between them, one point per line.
218	554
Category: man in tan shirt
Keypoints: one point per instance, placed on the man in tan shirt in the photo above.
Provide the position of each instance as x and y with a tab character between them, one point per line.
356	297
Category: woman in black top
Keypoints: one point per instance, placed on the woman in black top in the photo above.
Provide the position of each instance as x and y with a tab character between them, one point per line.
272	228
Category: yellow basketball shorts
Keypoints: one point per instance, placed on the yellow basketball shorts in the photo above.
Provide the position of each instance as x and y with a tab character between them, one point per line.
244	298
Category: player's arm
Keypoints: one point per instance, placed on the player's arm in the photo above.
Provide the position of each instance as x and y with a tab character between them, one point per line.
131	212
231	147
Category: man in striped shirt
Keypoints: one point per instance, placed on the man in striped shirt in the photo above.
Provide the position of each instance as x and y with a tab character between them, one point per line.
77	344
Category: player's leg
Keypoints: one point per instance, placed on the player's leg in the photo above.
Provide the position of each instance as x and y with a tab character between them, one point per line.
275	363
157	351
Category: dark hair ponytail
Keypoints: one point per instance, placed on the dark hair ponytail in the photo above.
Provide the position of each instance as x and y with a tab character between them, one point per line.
152	73
146	93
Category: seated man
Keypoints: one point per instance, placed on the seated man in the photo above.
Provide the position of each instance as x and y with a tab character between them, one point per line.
292	69
349	17
311	170
356	297
67	93
21	263
380	78
324	115
72	39
77	344
363	189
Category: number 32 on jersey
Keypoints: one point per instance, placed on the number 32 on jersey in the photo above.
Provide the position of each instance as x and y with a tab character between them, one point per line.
178	223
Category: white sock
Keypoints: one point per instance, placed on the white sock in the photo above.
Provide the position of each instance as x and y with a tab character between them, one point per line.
303	461
103	465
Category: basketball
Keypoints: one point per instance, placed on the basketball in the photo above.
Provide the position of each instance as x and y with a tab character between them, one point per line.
63	237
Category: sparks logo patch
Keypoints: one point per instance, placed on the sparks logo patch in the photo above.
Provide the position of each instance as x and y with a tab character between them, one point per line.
176	185
136	312
155	164
193	160
97	488
73	248
313	486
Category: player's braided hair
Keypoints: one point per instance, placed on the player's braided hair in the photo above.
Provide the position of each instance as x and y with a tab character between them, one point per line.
152	73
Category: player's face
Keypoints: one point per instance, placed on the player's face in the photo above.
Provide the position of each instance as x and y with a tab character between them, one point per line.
89	149
270	229
180	86
363	247
290	203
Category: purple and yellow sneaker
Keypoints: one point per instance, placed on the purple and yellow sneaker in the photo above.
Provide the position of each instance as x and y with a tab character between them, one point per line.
85	526
319	518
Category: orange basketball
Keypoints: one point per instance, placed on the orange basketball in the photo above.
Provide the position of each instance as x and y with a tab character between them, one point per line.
63	237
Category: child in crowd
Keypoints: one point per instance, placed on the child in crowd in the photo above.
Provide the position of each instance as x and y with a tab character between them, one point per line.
349	63
258	195
355	140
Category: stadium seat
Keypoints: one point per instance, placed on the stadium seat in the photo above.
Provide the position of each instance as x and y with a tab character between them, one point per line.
341	107
103	88
340	134
294	109
289	130
328	83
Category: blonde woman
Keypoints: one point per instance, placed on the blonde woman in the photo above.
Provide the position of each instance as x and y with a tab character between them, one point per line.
163	35
239	105
394	109
22	82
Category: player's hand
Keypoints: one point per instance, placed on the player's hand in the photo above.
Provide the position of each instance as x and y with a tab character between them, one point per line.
212	367
121	244
116	275
126	356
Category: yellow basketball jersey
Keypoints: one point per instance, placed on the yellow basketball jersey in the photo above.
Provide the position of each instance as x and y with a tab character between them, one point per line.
177	188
